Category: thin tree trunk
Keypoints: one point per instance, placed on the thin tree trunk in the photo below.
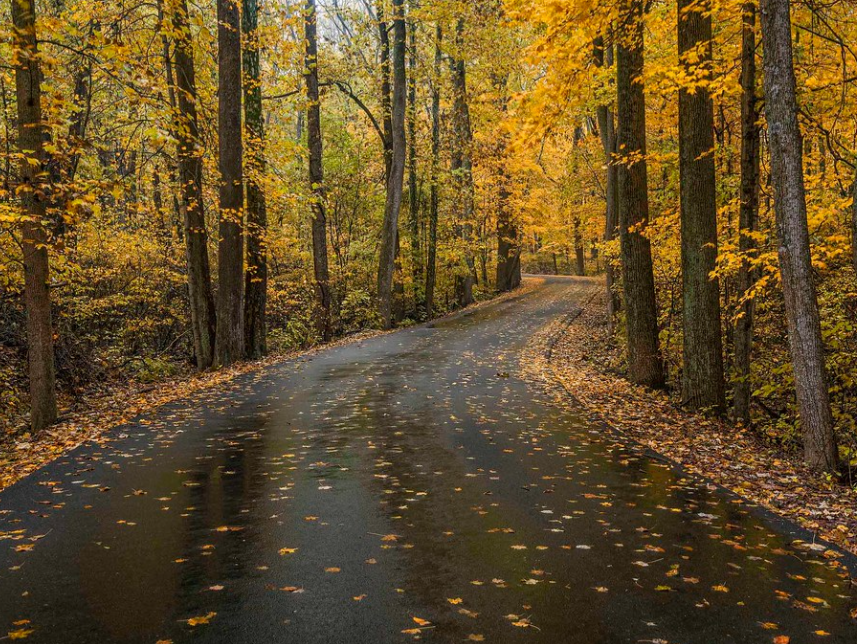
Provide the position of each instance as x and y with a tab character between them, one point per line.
256	278
229	345
462	170
431	251
387	257
607	132
748	213
579	264
201	300
413	190
854	224
804	325
386	105
703	385
644	358
316	172
34	237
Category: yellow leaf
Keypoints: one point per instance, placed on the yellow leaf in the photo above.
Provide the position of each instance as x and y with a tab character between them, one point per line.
421	621
202	619
21	633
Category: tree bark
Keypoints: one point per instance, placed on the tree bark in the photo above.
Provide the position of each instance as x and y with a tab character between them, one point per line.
854	224
748	214
804	326
508	232
607	132
462	170
229	346
413	186
431	251
316	173
201	300
386	105
393	204
34	237
644	358
256	277
579	262
703	384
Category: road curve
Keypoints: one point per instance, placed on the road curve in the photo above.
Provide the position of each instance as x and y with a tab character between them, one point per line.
410	486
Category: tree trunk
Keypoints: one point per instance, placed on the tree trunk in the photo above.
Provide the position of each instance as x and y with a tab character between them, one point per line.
386	105
34	237
201	300
316	173
607	132
579	265
256	278
644	358
229	345
854	224
508	233
804	325
387	258
462	170
508	240
413	190
702	373
748	213
431	251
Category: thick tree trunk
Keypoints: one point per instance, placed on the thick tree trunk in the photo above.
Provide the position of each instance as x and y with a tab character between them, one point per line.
748	213
316	173
387	258
508	233
607	132
34	237
201	300
229	345
508	240
804	325
413	189
462	171
256	278
703	385
431	251
644	358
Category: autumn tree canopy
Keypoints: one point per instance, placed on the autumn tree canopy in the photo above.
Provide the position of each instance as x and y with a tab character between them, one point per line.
189	185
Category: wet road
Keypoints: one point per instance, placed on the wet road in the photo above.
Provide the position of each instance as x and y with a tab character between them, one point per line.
411	486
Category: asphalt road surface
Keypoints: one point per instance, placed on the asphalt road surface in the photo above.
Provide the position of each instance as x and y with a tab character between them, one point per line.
409	487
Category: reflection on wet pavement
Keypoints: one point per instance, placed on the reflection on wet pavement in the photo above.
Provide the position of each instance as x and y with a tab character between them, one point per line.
411	486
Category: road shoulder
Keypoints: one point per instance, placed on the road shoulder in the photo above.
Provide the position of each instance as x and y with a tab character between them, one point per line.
576	353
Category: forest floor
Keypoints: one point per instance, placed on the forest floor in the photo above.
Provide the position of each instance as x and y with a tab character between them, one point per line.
91	416
578	353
